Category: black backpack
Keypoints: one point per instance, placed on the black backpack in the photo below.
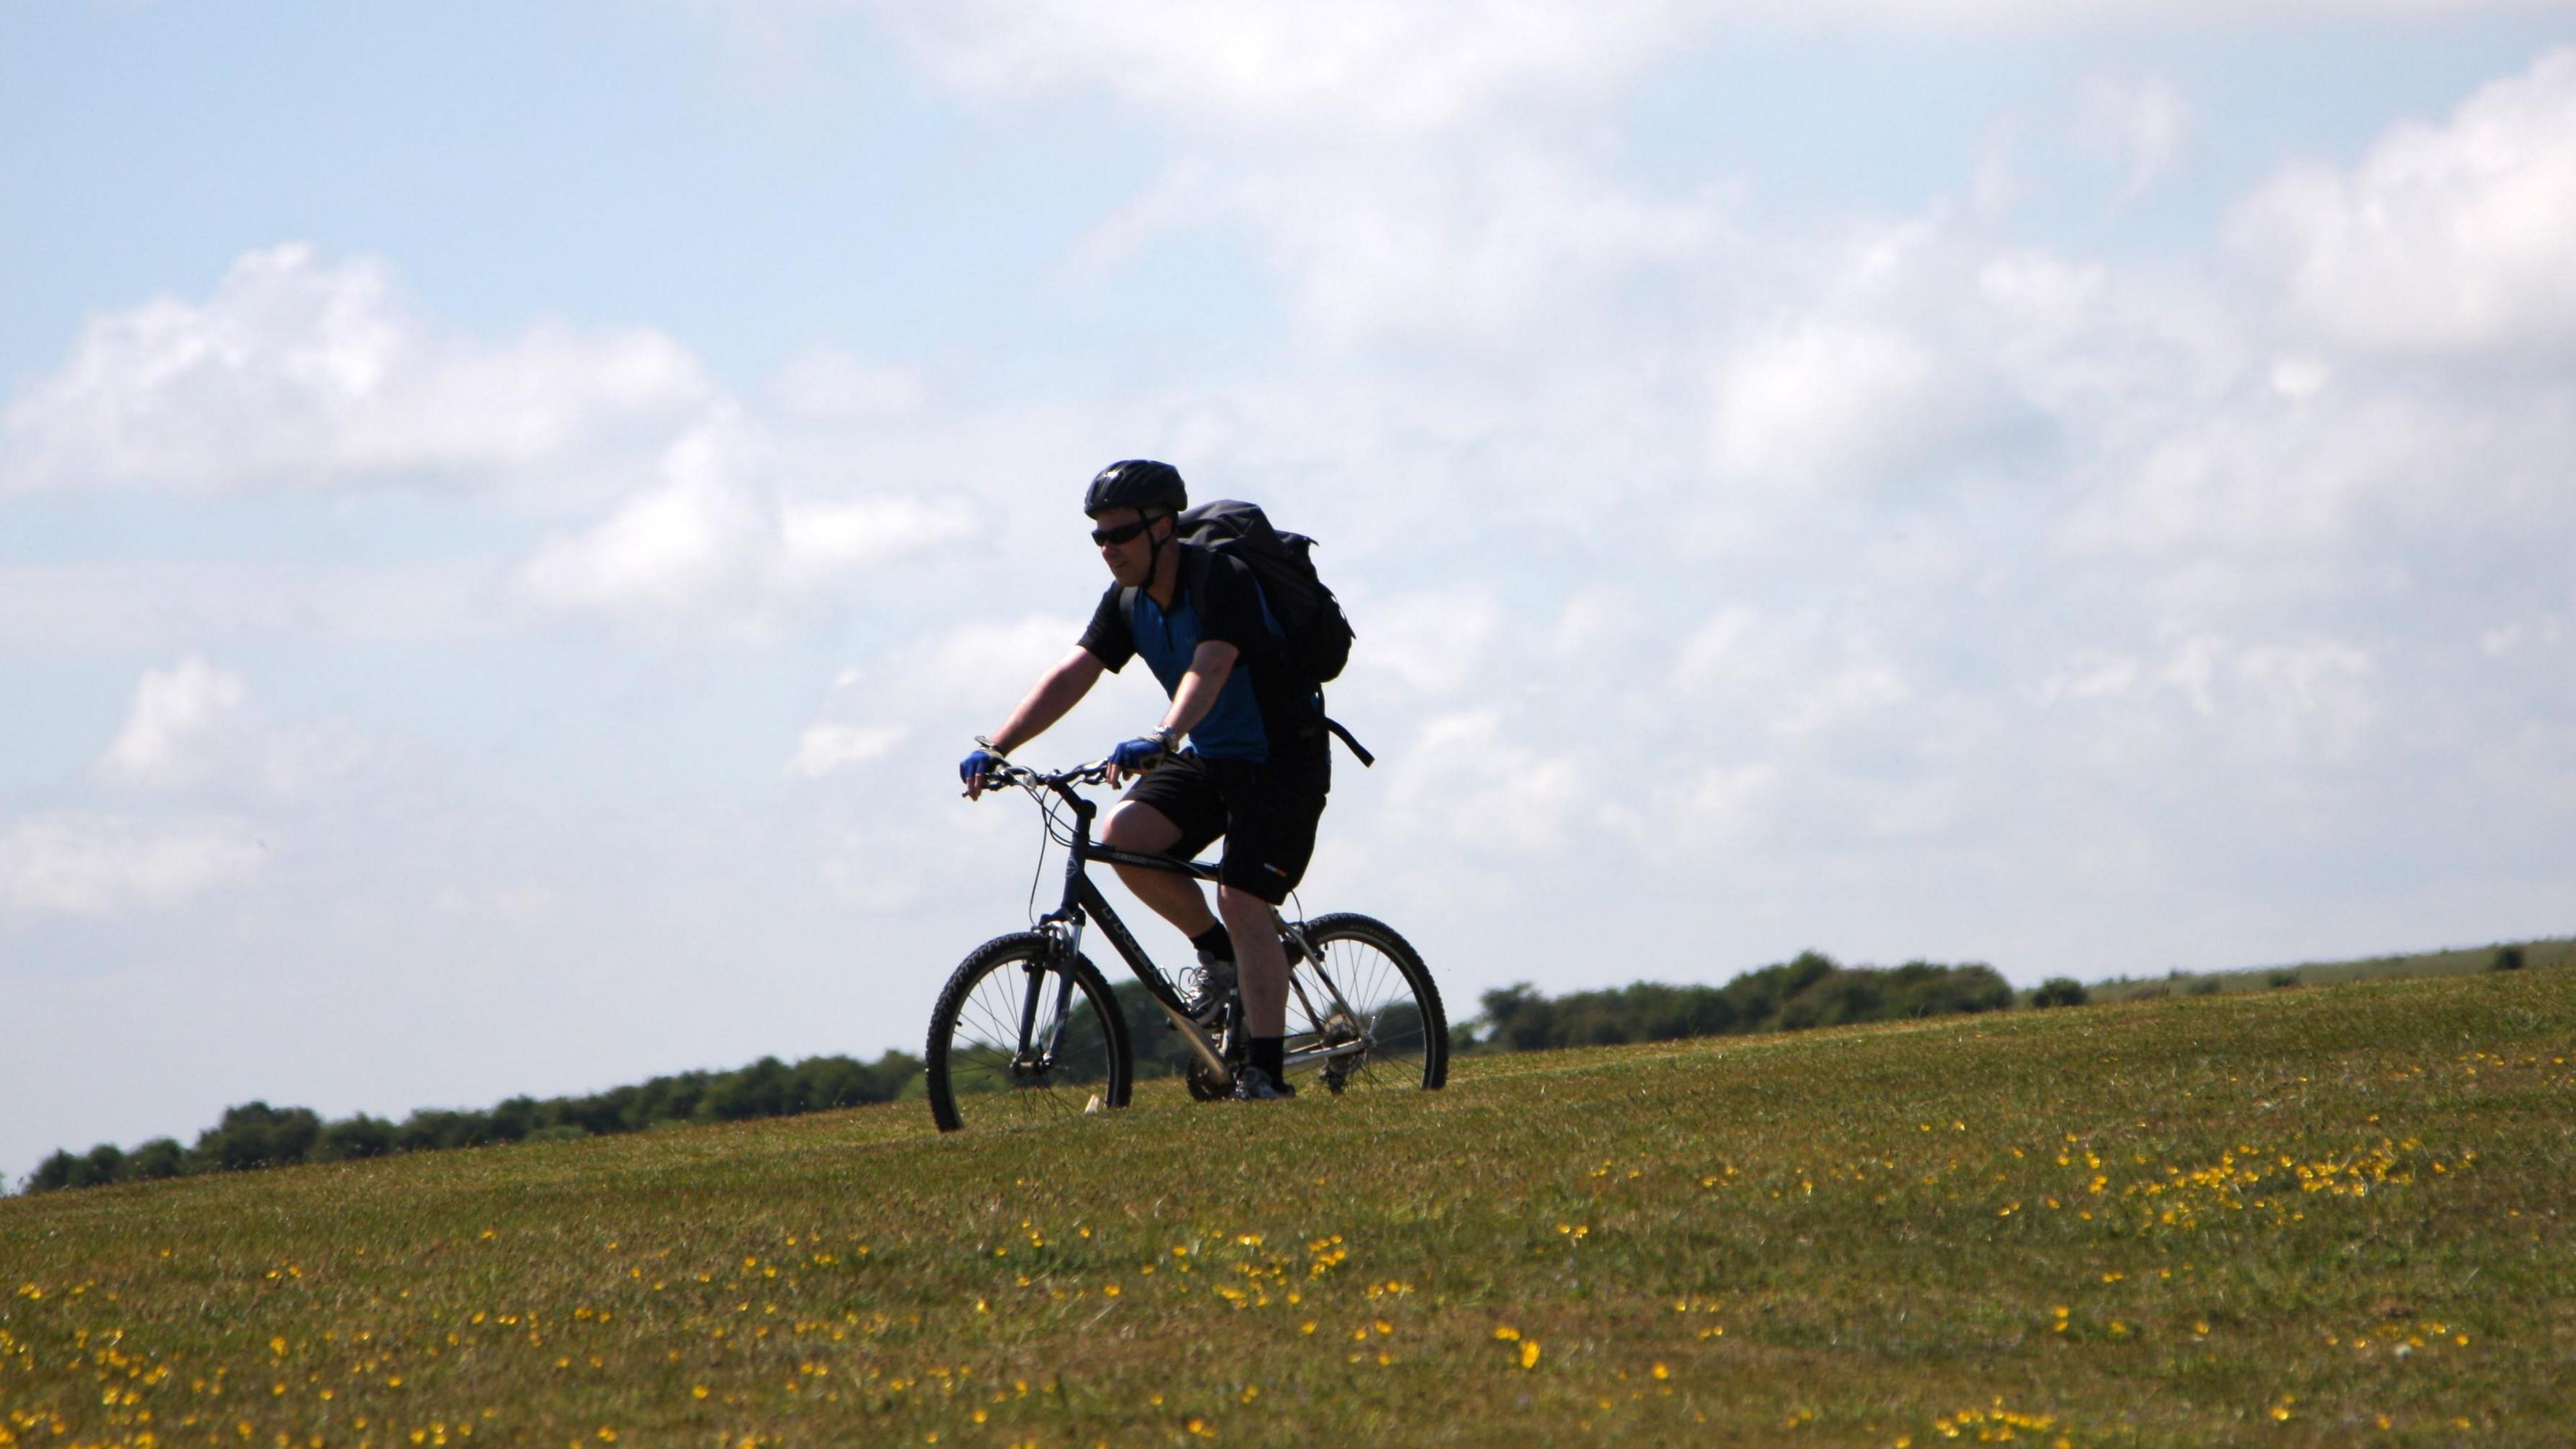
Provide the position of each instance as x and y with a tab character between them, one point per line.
1318	636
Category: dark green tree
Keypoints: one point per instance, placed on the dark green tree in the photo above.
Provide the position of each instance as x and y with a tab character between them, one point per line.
356	1137
54	1173
161	1157
2059	991
255	1134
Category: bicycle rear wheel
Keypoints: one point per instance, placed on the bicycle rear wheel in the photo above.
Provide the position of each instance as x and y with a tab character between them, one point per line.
1023	1034
1371	1007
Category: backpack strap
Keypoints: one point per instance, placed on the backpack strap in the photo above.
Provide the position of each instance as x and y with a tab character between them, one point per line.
1358	750
1185	581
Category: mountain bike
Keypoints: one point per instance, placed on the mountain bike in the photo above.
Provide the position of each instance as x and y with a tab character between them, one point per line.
1028	1029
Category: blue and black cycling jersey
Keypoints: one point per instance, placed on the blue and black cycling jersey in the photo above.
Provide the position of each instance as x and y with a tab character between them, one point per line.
1263	712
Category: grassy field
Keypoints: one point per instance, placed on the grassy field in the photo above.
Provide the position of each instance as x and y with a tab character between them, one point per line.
2548	954
2317	1216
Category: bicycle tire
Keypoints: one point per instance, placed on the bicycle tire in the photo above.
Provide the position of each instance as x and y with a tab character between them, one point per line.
1384	981
972	1054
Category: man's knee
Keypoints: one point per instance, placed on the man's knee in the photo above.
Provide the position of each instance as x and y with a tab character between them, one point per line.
1139	828
1233	901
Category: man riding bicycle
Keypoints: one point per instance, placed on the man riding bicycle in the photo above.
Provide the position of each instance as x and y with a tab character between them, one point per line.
1254	770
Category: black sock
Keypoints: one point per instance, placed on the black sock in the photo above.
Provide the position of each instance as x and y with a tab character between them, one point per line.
1215	942
1270	1054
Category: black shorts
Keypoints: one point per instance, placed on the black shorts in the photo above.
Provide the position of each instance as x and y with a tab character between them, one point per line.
1266	812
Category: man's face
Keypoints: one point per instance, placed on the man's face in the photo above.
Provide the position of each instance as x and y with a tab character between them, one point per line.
1130	560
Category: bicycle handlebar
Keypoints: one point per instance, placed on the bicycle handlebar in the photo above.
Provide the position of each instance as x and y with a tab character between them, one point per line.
1005	773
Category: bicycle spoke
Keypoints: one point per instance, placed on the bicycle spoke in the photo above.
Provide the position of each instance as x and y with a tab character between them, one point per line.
998	1065
1361	1007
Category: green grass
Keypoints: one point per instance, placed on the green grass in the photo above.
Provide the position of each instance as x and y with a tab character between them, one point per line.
2548	954
2271	1218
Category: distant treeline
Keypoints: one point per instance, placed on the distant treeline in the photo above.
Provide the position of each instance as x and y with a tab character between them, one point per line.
259	1135
1811	991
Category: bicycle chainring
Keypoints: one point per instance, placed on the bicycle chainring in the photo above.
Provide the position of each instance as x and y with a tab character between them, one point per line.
1203	1084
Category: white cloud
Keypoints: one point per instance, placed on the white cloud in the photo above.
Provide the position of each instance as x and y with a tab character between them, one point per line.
1729	650
192	727
101	607
516	904
1462	251
1440	241
1434	643
98	865
1466	785
2303	463
954	680
301	373
1341	66
707	529
2044	298
2143	123
184	721
1794	671
2277	703
718	536
823	383
2310	699
1821	403
980	668
1896	358
819	539
2445	237
861	873
1721	803
825	746
2091	674
1851	693
2194	670
1289	63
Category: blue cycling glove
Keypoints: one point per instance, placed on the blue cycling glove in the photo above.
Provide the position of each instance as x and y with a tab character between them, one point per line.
1143	752
977	765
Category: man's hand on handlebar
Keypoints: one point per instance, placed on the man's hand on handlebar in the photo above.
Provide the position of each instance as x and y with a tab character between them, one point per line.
986	771
1136	756
976	770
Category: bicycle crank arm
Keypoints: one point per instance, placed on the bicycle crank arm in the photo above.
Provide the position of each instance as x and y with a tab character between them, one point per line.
1199	1042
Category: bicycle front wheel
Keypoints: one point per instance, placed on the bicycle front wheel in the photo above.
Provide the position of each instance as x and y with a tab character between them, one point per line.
1367	1015
1023	1033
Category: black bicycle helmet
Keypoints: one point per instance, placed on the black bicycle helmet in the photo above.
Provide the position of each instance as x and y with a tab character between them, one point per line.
1136	483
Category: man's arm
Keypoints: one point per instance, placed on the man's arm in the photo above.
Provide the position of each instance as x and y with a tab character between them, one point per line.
1061	689
1210	663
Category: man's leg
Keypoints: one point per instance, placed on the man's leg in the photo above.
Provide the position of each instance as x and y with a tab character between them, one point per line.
1144	830
1270	835
1260	965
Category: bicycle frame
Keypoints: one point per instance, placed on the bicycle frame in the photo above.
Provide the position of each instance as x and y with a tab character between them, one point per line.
1083	903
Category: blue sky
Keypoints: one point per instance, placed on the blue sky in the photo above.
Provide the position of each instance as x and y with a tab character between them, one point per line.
508	514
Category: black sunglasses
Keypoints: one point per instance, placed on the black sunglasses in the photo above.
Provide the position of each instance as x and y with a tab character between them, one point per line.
1123	532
